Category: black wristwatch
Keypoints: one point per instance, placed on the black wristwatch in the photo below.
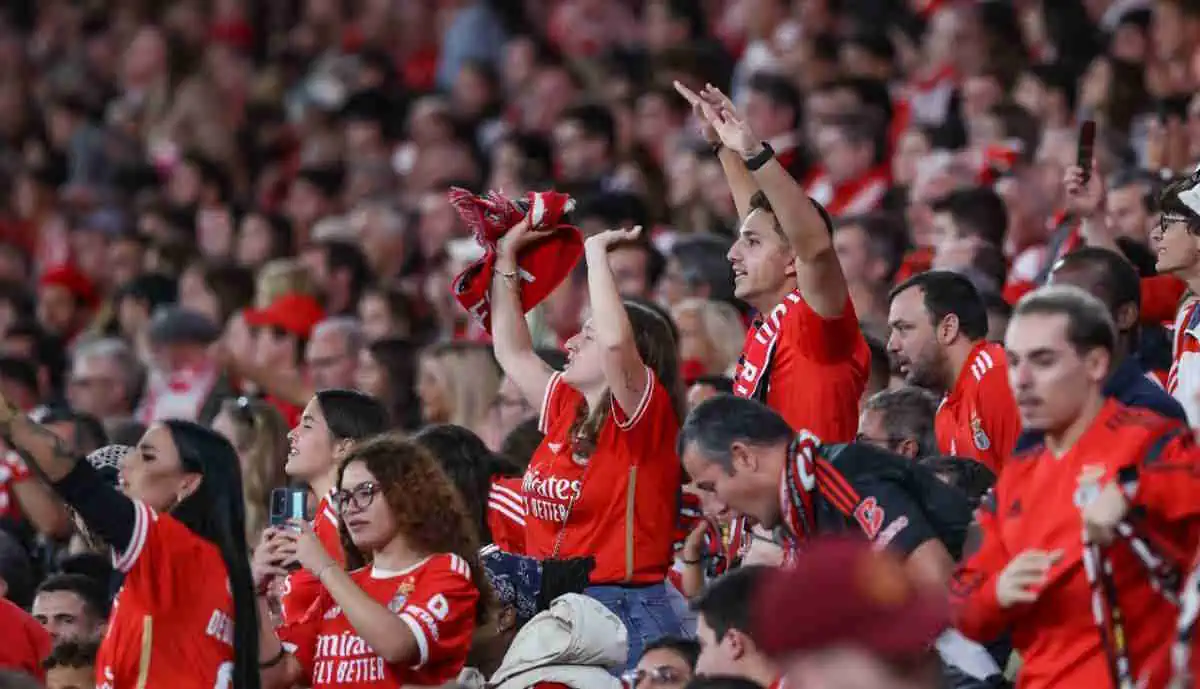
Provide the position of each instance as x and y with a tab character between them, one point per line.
763	157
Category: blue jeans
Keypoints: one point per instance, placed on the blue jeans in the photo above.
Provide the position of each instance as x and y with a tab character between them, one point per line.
649	613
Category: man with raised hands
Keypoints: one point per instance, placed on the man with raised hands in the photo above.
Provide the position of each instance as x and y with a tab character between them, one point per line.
805	356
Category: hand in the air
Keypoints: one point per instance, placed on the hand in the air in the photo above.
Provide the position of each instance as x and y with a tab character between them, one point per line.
722	119
520	236
602	241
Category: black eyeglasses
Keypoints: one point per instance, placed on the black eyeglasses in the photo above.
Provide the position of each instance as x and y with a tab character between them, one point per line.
1168	219
360	496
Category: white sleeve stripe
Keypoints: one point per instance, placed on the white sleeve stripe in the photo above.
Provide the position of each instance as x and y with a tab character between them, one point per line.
515	504
329	514
505	491
643	403
546	401
419	635
137	542
507	513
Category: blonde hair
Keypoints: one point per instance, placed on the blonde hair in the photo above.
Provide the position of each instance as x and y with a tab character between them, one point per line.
723	327
260	438
283	276
472	379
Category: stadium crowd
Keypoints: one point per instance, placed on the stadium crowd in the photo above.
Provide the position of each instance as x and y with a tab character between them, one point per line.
599	344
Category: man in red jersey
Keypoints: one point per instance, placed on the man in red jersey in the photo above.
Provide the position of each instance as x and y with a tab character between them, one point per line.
805	356
938	328
1028	575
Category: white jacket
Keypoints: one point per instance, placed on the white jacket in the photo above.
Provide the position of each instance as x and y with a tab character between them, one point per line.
573	643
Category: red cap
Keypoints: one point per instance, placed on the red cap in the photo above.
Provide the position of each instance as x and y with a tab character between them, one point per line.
841	591
71	279
296	313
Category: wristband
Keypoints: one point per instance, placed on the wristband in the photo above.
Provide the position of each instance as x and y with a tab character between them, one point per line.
762	158
697	561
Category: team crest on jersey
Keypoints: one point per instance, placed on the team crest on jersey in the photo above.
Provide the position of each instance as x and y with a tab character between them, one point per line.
1089	485
402	593
869	515
981	440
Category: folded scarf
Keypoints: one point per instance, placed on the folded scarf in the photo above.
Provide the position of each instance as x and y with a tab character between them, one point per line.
542	266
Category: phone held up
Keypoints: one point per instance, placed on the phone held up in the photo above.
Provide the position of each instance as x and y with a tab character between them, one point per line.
1087	143
287	504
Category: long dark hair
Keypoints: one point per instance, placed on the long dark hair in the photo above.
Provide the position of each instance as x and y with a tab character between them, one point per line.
216	513
469	464
656	338
352	415
398	359
424	502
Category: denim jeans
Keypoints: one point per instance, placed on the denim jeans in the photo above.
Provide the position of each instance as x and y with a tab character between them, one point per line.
649	613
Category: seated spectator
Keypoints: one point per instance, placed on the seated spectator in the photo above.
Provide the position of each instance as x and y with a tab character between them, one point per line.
72	664
545	634
900	421
71	606
668	663
850	628
728	645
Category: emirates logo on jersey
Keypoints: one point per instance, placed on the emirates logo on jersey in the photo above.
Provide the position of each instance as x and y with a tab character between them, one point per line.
548	496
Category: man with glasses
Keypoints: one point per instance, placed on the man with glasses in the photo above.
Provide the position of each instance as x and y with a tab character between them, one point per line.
668	663
900	421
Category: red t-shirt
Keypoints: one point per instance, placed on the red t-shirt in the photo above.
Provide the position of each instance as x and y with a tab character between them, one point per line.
436	599
26	644
506	515
172	621
1056	635
301	588
625	497
978	418
818	367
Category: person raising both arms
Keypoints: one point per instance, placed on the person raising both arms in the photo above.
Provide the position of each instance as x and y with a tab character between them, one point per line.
805	356
333	421
604	481
185	615
938	326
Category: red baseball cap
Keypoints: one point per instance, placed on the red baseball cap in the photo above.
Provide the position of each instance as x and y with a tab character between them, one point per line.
841	591
71	279
295	313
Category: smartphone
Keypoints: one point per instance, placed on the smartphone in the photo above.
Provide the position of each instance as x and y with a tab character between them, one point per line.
1087	143
287	504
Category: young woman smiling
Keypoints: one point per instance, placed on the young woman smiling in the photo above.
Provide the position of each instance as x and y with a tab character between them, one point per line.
406	615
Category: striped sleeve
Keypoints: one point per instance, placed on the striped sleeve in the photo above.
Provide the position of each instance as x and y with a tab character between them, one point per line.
507	503
144	519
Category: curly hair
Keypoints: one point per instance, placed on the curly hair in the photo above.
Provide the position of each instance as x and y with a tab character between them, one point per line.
427	508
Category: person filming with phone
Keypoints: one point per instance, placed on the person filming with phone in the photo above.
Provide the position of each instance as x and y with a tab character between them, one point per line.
331	424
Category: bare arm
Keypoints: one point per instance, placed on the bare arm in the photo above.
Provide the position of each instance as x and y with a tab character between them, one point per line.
510	333
47	454
41	506
741	184
382	629
623	367
818	271
286	672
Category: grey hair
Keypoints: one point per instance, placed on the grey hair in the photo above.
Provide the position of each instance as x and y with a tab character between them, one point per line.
346	325
133	374
1089	324
718	422
908	414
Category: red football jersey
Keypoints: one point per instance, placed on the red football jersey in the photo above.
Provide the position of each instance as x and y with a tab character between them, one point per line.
506	515
620	505
818	367
301	588
978	418
1056	635
26	644
436	599
172	621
